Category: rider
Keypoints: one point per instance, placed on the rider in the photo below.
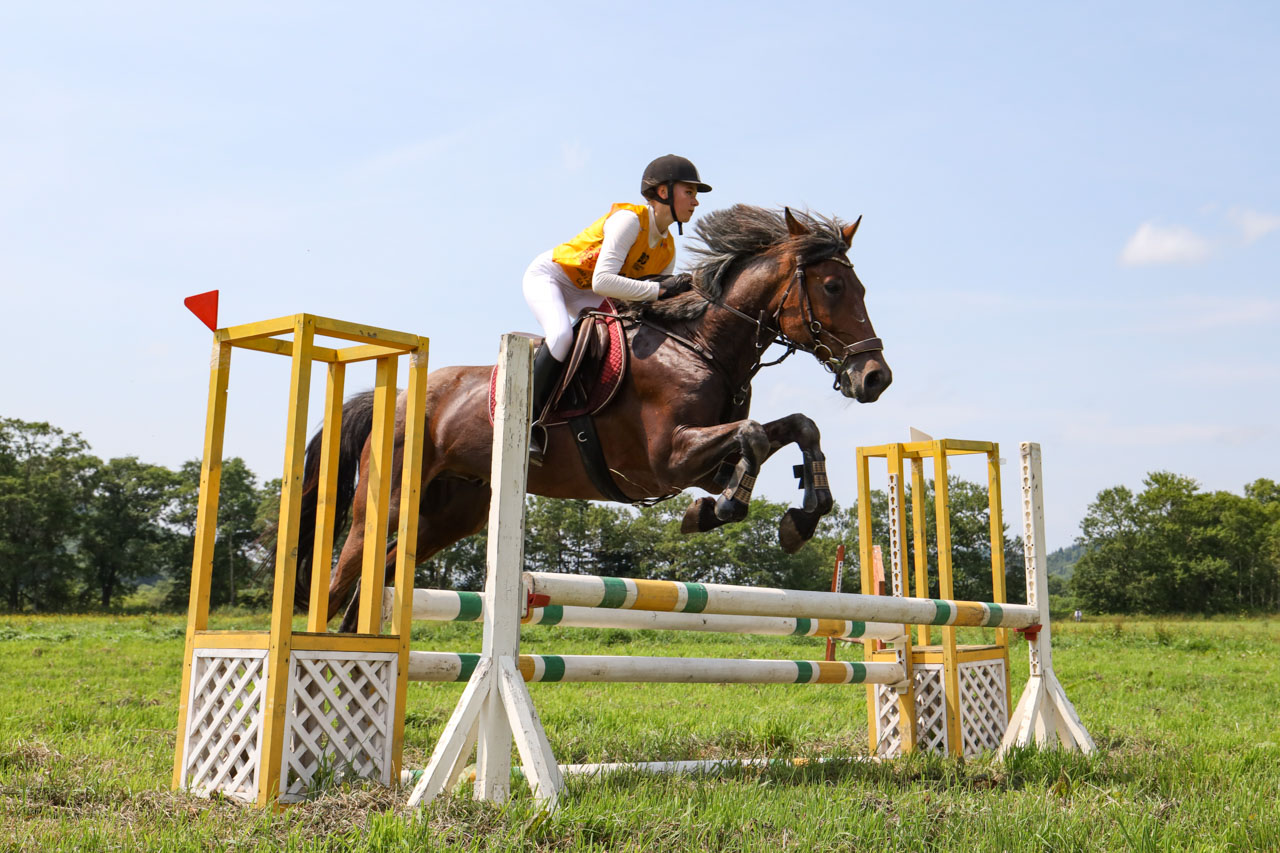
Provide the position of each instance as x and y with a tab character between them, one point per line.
608	259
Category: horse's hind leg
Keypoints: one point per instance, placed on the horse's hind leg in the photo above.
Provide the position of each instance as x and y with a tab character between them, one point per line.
346	572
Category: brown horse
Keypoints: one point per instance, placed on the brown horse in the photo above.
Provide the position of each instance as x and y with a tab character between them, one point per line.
680	418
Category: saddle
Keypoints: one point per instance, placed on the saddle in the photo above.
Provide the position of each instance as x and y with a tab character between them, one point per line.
592	374
591	379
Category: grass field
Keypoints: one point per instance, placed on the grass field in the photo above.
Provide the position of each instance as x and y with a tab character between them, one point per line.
1186	715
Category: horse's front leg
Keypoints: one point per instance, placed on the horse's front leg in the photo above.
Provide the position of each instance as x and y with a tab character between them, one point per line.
698	452
799	523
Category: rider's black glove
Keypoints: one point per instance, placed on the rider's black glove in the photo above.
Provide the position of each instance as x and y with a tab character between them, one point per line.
673	285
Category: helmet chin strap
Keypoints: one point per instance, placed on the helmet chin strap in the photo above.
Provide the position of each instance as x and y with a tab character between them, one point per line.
671	205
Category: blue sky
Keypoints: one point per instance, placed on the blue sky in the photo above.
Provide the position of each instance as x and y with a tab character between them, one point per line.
1071	232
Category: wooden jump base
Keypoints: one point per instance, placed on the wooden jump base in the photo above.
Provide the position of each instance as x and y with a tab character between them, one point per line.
676	596
450	666
443	605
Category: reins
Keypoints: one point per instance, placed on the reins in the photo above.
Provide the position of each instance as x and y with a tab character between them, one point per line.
769	332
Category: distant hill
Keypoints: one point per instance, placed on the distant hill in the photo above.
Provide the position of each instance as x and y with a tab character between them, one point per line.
1062	562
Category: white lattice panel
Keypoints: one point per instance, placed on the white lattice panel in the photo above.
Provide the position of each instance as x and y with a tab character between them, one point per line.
931	709
984	706
340	723
888	734
931	714
224	722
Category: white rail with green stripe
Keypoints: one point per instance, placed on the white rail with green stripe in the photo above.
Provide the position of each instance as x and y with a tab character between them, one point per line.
706	766
443	605
450	666
683	597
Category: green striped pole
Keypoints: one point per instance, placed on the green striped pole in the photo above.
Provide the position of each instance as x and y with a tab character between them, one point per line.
777	626
443	605
681	597
450	666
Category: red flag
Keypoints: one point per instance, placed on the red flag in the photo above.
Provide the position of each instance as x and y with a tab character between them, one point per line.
204	306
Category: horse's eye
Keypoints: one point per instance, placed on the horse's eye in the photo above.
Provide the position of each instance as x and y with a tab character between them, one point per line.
833	286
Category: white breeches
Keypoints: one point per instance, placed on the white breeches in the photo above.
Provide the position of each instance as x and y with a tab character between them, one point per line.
555	302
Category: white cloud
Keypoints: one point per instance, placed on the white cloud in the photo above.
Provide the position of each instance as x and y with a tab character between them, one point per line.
1159	244
1252	224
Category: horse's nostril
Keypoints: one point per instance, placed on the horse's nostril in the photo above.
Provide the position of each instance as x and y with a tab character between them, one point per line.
874	381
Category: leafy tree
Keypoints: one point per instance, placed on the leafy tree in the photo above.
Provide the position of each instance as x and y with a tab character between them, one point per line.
746	552
124	536
1265	492
969	510
237	550
44	476
1173	548
580	537
1062	562
460	566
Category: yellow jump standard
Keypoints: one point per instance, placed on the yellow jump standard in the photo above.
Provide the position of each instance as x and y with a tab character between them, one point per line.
260	711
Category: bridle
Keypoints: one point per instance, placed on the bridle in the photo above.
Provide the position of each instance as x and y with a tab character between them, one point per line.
769	332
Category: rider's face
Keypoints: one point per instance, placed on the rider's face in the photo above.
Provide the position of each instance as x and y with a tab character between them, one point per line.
685	201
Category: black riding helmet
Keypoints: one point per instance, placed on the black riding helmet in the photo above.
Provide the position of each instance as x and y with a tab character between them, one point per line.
670	170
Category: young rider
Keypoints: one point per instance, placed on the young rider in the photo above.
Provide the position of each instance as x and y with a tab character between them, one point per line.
608	259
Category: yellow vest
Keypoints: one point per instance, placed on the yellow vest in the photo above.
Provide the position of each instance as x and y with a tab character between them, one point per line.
578	256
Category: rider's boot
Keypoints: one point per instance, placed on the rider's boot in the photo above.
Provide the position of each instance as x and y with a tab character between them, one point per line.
546	375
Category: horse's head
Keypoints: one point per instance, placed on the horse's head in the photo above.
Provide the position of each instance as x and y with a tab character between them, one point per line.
821	309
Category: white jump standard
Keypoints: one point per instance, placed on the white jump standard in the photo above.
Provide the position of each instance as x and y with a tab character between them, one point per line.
496	704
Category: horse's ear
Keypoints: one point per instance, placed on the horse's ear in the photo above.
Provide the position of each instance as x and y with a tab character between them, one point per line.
794	226
849	230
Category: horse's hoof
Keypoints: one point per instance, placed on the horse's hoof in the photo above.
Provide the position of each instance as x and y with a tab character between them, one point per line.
796	529
699	517
730	509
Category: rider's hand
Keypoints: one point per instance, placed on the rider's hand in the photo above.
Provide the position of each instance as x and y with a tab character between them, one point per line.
673	285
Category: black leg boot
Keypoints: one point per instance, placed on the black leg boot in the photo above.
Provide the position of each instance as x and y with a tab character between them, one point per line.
546	375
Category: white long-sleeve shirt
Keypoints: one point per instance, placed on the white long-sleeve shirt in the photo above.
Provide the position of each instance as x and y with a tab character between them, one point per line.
621	231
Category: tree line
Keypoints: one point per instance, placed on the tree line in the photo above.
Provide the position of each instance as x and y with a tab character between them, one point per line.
1173	548
79	533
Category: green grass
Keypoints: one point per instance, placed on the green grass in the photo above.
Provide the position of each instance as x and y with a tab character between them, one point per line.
1185	713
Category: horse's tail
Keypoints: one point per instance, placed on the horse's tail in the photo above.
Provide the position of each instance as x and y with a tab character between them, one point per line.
357	423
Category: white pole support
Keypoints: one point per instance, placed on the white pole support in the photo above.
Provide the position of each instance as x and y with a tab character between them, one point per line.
496	706
1044	714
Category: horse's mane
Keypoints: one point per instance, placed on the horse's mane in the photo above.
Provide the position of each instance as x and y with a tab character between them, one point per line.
734	236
